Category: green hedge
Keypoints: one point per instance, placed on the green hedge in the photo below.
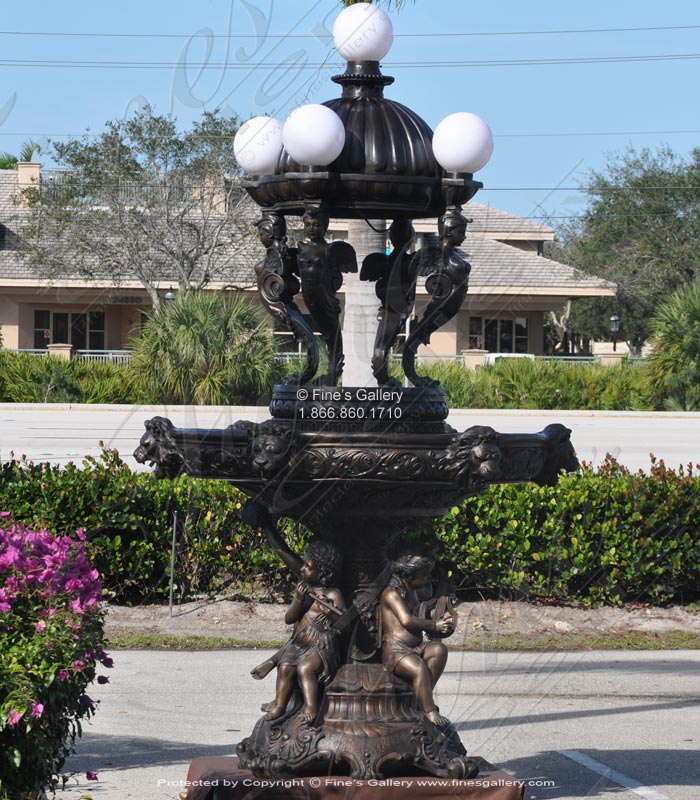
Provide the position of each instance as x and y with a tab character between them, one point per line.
128	522
509	383
605	537
521	383
27	378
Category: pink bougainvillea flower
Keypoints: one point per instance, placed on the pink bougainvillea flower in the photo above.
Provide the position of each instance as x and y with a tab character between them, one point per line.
37	709
78	665
5	515
40	626
9	556
91	776
62	675
14	718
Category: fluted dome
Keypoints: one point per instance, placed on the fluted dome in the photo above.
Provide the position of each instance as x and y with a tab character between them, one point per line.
386	169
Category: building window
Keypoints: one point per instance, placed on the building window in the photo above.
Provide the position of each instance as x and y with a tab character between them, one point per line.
42	329
96	335
520	337
85	331
6	238
498	335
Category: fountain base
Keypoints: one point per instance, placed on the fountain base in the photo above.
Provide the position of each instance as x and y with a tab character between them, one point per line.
371	727
223	778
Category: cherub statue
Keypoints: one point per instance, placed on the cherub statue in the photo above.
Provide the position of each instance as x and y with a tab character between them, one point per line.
404	651
447	281
321	267
277	285
313	653
395	275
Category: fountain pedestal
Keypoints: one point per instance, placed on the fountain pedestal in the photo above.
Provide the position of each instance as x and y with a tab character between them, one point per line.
224	779
360	469
371	725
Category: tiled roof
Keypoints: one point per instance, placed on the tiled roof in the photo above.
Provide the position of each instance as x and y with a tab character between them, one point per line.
485	219
8	191
233	265
494	264
500	265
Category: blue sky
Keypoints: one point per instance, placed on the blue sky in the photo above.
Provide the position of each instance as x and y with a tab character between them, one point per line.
552	122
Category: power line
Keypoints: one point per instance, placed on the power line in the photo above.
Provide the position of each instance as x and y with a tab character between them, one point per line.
521	62
588	133
451	34
541	135
645	215
583	189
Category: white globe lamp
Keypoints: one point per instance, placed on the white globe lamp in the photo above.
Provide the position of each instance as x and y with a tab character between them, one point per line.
363	32
257	145
313	135
462	142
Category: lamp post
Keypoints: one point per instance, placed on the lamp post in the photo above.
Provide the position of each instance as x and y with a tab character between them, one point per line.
169	295
614	330
364	157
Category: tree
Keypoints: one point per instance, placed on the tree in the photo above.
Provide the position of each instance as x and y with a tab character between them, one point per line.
205	348
640	230
560	327
674	362
140	201
29	149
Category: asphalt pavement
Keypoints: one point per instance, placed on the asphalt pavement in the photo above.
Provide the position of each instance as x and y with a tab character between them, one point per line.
60	434
620	725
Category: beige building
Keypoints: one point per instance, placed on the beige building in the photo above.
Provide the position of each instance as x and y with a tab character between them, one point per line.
512	286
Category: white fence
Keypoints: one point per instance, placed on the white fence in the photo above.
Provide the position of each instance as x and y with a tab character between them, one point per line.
104	356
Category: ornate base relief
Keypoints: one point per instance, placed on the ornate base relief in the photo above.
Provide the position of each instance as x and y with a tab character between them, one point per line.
371	727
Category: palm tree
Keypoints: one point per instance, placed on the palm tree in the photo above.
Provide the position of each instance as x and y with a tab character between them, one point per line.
204	348
26	153
674	362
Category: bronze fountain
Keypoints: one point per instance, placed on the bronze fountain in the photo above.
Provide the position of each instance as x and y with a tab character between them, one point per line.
359	467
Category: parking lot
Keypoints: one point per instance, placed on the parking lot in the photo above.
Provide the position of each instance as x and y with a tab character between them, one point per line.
570	725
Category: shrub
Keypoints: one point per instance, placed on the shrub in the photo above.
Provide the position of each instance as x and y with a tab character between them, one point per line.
50	641
674	362
29	378
38	379
522	383
205	349
595	537
128	520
